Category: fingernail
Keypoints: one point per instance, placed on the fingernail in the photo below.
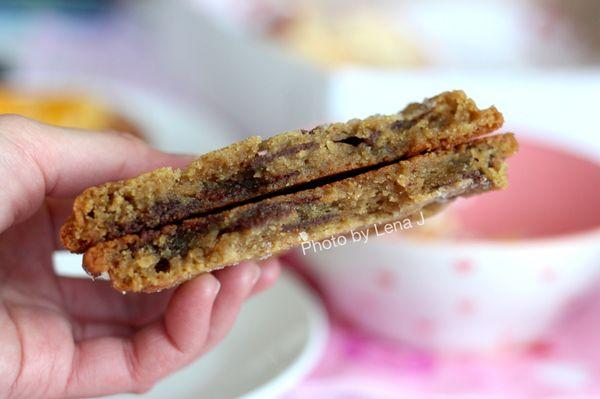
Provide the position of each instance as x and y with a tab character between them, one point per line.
185	157
190	156
255	273
216	285
128	136
268	262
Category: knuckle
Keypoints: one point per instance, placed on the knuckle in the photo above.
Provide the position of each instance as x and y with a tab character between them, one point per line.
133	139
144	387
142	381
14	124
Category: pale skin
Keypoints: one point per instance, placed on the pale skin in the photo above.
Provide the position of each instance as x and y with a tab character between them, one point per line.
65	337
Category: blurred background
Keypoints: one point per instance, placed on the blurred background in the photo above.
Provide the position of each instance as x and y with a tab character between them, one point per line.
493	298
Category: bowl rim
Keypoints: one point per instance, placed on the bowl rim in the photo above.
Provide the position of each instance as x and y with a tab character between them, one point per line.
579	237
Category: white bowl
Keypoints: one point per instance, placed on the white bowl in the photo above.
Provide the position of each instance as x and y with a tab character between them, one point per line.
477	294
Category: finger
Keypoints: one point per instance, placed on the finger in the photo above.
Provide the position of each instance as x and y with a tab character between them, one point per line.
45	160
59	209
97	301
237	283
62	154
89	329
270	271
110	365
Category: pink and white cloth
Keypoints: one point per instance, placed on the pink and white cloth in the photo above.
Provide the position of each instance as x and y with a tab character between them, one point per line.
565	363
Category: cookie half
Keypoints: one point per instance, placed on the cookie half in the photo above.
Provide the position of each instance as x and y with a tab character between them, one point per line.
253	168
164	257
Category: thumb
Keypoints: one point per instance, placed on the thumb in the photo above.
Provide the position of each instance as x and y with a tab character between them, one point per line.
38	160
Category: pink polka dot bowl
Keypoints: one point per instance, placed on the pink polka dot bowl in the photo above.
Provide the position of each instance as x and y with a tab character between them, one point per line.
490	273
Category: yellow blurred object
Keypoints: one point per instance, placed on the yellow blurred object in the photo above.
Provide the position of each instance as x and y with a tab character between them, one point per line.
66	110
354	36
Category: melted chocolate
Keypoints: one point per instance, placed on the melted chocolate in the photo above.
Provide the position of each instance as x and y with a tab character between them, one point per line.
304	224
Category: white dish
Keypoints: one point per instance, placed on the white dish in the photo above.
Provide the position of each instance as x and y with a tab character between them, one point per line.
492	274
169	124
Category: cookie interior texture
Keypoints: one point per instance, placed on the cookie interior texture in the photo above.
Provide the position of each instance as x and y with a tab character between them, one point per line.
253	168
163	257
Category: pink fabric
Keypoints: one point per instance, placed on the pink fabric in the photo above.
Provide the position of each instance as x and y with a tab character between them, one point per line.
566	362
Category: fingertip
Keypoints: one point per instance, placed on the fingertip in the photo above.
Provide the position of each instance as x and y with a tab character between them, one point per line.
238	283
255	273
270	272
270	263
188	314
242	276
187	157
250	275
213	285
174	160
202	288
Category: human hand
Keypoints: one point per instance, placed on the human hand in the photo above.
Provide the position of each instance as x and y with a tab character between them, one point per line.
65	337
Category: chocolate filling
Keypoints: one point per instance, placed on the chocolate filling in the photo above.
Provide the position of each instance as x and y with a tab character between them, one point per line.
257	216
162	266
355	141
183	236
352	140
402	124
252	183
253	216
231	192
309	222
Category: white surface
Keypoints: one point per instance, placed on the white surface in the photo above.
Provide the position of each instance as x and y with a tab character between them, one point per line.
559	106
273	91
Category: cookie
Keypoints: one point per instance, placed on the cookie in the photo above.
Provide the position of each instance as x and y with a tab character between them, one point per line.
164	257
256	168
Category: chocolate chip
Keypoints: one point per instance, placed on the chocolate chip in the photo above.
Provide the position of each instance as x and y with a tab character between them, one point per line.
402	124
478	178
373	138
302	225
285	152
171	210
352	140
163	266
259	215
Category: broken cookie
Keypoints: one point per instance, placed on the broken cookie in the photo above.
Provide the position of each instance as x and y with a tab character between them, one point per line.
255	167
256	198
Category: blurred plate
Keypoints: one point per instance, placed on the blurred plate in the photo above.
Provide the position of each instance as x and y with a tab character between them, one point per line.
167	122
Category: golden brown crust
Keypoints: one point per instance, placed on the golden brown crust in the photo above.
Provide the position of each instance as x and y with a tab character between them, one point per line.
254	167
162	258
